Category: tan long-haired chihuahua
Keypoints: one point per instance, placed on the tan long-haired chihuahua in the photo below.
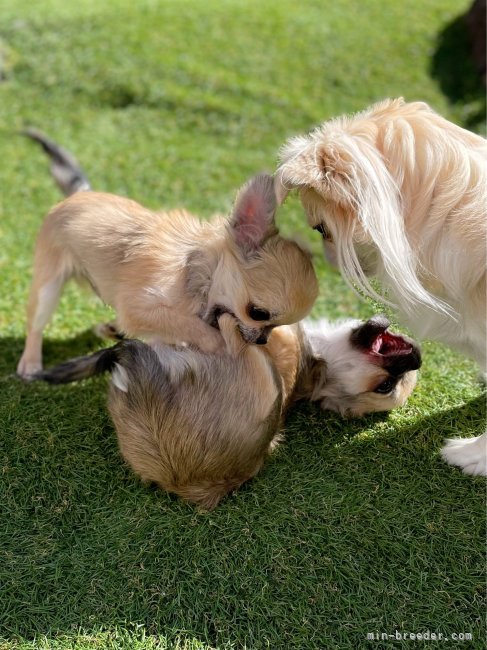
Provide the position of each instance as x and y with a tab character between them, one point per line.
169	275
199	425
399	192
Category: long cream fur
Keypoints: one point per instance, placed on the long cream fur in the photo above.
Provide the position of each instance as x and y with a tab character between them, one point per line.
401	194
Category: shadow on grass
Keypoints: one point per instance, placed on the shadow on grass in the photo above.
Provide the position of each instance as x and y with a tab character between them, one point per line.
53	351
86	546
453	67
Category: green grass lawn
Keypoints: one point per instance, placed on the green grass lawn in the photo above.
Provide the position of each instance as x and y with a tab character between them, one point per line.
353	526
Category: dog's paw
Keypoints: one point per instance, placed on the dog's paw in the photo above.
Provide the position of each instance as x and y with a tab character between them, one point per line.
468	453
28	369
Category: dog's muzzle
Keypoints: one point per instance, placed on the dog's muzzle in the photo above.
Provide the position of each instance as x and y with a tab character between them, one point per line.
249	334
255	336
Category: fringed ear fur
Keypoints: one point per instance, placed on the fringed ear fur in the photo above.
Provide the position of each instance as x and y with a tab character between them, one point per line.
364	181
349	170
252	220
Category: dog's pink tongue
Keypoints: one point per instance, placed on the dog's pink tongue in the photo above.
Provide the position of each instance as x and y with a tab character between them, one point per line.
388	344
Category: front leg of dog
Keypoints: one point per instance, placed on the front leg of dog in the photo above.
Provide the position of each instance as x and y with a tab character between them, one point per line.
168	325
195	332
468	453
42	303
31	359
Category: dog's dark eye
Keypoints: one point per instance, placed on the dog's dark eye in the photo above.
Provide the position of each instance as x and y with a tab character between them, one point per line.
258	314
321	228
386	386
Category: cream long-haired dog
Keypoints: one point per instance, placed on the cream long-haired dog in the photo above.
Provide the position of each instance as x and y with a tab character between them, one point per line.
167	274
400	193
200	425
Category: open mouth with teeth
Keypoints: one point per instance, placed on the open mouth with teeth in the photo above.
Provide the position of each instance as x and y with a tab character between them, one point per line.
388	344
396	353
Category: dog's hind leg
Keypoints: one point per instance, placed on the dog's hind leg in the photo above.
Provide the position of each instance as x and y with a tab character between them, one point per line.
49	277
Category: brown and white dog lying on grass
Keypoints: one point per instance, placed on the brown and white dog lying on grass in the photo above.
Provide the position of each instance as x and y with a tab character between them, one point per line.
400	193
199	425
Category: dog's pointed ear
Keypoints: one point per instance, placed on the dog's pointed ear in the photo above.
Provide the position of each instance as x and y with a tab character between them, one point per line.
252	220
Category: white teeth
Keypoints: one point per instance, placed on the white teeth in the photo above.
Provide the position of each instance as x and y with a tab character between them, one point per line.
376	344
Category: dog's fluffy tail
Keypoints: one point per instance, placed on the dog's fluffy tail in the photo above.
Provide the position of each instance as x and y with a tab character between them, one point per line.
64	167
81	367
